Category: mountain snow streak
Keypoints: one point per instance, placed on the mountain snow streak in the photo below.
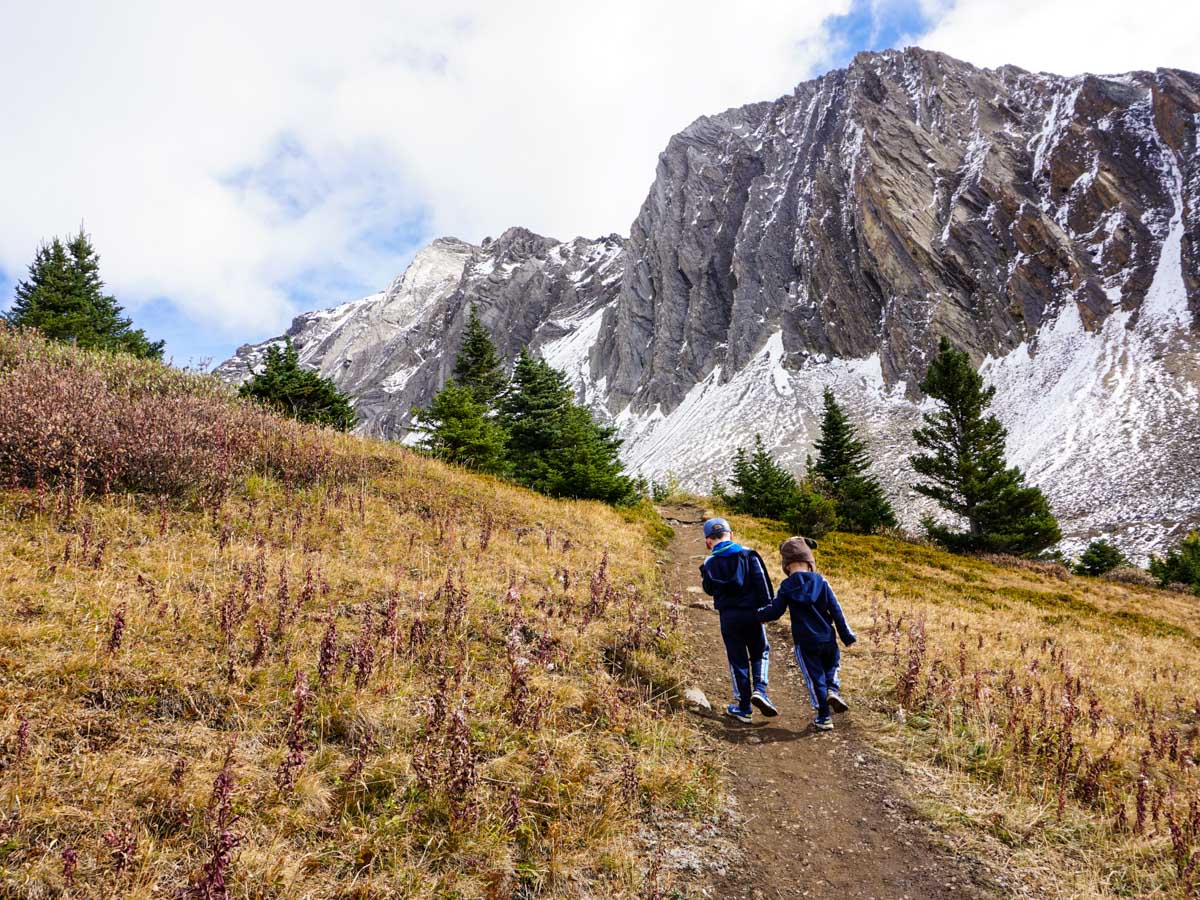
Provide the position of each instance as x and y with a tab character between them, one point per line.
1050	226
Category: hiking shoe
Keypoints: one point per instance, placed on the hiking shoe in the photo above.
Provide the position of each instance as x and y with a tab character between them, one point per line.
825	724
763	703
836	703
736	712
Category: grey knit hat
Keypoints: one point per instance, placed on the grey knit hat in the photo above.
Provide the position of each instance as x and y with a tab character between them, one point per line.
798	549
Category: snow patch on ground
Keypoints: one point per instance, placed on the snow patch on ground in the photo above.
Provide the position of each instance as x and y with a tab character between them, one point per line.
398	379
695	440
1083	412
570	353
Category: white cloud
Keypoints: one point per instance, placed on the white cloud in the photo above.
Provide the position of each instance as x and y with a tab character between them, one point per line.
1068	37
232	157
223	153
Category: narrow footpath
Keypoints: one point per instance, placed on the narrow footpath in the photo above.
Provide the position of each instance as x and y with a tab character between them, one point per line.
819	814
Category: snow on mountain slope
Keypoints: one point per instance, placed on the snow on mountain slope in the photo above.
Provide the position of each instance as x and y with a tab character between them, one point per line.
1050	226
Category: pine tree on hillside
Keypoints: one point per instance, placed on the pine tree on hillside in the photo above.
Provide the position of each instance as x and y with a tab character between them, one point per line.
1181	565
461	430
840	454
554	446
64	299
773	488
298	392
589	462
533	413
478	366
965	467
764	488
1099	557
812	513
843	465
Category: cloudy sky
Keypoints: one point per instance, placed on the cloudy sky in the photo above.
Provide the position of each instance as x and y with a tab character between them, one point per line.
237	163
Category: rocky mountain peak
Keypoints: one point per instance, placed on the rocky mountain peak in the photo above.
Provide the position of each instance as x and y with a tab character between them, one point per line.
1049	225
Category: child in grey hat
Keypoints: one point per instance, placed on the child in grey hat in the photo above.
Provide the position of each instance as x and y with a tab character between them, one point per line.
817	623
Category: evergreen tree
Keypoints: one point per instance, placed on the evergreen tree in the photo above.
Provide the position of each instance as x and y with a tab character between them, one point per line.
862	506
966	470
297	392
1099	557
554	446
588	463
64	299
461	430
478	366
842	464
812	513
772	488
533	413
840	454
1181	565
763	488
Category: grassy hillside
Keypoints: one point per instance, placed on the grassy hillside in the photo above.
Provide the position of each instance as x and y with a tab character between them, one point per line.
240	654
244	657
1055	717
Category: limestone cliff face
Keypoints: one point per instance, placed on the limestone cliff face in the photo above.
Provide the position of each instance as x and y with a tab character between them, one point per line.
393	350
908	196
1051	226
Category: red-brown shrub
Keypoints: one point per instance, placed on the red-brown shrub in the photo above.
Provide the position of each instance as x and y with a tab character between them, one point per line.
99	422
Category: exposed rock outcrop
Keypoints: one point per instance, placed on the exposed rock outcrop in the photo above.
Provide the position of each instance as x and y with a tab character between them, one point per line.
1049	225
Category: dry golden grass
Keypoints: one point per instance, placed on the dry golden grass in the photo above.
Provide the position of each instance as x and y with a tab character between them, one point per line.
486	718
1052	720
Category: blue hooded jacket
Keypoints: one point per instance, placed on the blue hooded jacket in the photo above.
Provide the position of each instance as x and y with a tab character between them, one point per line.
736	579
815	611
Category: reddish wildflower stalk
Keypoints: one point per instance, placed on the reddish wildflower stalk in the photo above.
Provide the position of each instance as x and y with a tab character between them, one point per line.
123	845
327	655
212	883
462	775
285	778
260	643
116	631
70	860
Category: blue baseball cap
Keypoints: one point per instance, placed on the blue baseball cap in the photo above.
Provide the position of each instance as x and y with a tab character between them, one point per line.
716	526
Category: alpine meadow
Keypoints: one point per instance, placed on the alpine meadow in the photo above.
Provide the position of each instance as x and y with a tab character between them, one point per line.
831	531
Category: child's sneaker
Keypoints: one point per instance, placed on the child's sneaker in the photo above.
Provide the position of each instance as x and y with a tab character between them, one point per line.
763	704
736	712
836	703
825	724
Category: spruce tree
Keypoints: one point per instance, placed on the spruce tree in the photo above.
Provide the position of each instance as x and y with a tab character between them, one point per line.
842	464
461	430
64	299
588	464
764	488
1099	557
1181	565
773	487
533	413
554	446
840	454
298	392
812	513
965	467
478	366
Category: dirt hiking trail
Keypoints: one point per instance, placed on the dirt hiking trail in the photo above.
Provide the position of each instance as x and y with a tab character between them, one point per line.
820	814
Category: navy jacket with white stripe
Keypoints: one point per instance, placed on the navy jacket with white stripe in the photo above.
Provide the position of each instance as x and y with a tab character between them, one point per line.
736	580
817	618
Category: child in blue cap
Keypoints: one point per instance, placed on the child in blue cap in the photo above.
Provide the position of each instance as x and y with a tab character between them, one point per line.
736	578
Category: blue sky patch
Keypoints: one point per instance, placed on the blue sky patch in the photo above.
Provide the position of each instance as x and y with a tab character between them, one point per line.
877	25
